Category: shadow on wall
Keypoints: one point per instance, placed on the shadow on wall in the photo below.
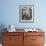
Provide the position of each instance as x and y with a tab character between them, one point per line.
2	26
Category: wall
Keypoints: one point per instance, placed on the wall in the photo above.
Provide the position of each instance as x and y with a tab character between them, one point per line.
10	13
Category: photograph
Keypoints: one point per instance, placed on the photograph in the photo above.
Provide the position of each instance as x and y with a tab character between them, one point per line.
26	13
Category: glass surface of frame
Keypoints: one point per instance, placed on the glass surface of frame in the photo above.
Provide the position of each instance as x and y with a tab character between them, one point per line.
26	13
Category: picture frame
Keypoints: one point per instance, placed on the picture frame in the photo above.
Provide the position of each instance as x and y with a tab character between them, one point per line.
26	13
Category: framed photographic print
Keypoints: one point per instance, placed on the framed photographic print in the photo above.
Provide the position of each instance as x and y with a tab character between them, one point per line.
26	13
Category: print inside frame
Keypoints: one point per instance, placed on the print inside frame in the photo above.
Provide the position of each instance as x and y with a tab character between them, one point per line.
26	13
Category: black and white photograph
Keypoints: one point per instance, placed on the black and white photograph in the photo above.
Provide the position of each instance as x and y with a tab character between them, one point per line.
26	13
